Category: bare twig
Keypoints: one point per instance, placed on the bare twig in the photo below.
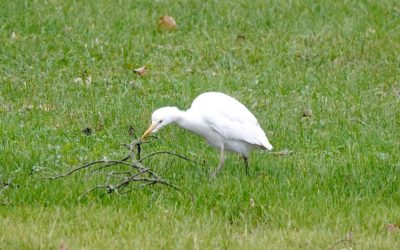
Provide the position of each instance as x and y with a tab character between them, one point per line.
116	174
112	163
89	165
133	177
153	138
74	170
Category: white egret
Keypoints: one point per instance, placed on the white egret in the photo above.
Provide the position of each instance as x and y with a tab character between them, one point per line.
223	121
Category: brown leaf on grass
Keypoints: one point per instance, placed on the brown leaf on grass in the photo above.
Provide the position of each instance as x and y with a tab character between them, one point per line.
141	71
63	247
392	228
166	23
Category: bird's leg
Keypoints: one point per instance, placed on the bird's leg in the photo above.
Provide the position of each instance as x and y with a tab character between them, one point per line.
246	164
221	163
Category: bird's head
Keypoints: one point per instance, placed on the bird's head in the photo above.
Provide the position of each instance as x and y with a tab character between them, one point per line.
160	118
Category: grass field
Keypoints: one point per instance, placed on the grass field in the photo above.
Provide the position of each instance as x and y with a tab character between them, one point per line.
339	189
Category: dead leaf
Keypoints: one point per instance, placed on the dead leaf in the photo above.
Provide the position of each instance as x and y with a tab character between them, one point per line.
307	112
392	228
63	247
166	23
141	71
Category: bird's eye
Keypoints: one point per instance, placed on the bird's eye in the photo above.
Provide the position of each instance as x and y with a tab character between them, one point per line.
160	121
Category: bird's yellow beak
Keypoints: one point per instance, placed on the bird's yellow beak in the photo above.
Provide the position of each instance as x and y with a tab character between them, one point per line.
149	130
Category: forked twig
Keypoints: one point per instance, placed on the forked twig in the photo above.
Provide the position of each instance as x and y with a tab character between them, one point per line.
120	173
114	162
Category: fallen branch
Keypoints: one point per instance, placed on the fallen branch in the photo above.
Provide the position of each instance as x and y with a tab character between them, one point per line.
121	173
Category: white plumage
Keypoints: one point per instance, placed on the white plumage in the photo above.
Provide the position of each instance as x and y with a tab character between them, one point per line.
222	120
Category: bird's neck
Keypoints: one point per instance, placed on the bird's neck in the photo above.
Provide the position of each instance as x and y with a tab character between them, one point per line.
181	118
187	121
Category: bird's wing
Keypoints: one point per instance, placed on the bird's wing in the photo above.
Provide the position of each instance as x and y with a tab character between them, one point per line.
229	118
236	128
223	104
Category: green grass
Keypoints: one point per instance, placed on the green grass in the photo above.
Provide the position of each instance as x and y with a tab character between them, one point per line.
338	58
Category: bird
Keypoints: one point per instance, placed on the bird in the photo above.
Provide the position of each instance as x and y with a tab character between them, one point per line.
222	120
